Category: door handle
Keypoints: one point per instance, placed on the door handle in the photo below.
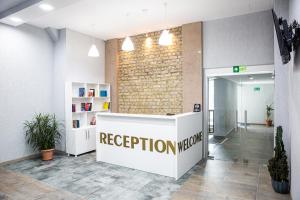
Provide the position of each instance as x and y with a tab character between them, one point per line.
89	133
85	135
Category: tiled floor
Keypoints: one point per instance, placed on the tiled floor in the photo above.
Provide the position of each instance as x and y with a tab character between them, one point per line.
255	144
84	178
96	180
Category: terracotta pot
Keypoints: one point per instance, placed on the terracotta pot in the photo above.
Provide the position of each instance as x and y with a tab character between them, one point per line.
269	122
47	154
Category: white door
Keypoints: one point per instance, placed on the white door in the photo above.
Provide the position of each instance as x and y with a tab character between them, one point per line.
91	139
81	141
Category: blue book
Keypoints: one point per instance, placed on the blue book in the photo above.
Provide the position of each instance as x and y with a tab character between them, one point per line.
81	92
103	93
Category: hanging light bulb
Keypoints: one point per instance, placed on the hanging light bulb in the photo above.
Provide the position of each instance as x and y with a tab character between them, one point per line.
165	38
127	44
93	52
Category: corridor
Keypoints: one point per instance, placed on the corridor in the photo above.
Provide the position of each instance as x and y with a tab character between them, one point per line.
255	144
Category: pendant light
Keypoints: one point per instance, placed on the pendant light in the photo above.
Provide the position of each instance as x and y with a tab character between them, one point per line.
93	52
127	44
165	38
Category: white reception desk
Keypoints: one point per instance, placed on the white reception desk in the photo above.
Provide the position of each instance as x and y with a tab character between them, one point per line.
161	144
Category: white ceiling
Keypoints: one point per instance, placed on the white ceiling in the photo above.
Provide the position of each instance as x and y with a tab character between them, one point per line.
118	18
30	11
245	79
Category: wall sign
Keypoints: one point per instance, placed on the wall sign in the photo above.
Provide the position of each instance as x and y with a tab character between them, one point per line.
197	107
256	89
149	144
238	69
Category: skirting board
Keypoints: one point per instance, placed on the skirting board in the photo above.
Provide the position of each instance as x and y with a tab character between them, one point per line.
242	123
226	133
35	155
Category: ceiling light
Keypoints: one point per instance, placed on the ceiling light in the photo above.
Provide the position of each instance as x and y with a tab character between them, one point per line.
165	38
16	19
46	7
127	44
93	52
251	78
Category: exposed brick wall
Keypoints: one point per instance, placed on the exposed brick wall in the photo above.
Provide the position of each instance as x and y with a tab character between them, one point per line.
150	79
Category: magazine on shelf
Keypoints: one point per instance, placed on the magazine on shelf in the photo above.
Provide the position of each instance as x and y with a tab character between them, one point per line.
76	124
81	92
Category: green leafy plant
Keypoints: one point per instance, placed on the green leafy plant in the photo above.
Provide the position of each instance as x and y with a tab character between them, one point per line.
43	131
278	165
269	110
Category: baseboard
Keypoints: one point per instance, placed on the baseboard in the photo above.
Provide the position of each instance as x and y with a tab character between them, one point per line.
60	152
242	123
228	132
35	155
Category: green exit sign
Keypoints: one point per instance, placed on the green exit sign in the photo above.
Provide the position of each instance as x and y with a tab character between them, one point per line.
238	69
257	89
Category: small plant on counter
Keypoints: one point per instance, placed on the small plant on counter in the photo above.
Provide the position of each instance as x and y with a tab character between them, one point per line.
42	133
278	166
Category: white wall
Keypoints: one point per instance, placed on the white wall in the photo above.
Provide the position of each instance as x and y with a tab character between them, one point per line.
294	108
240	40
26	60
225	106
254	102
33	75
287	96
281	114
73	64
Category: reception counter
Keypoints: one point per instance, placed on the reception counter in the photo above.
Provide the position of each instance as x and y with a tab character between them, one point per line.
161	144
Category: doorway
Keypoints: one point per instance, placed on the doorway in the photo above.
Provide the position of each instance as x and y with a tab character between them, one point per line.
235	114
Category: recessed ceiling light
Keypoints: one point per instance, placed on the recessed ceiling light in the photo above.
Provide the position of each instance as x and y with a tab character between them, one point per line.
46	7
16	19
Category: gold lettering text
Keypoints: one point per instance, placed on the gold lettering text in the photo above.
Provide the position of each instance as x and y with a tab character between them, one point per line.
126	141
134	141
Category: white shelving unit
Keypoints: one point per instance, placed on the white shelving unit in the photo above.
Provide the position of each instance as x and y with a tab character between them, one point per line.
82	139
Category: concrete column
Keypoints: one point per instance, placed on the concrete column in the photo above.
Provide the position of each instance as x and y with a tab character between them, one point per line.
192	65
111	71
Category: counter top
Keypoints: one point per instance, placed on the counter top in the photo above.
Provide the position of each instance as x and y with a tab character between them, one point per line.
147	116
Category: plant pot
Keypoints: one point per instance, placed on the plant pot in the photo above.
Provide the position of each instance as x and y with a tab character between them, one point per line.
282	187
269	122
47	154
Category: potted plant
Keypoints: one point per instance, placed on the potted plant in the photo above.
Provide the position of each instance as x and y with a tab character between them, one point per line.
278	166
269	110
42	132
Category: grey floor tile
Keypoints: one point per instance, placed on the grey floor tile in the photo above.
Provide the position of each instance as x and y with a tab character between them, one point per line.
237	173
